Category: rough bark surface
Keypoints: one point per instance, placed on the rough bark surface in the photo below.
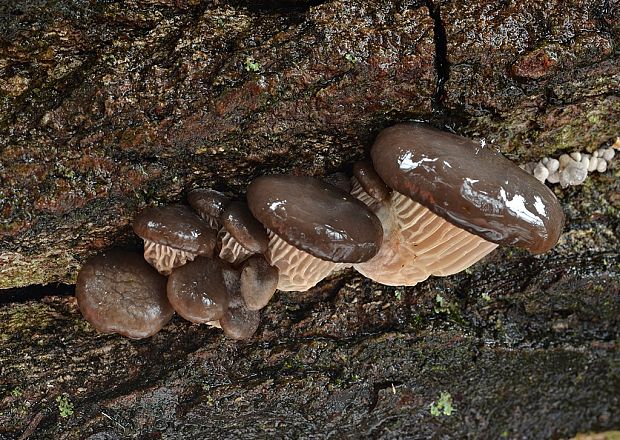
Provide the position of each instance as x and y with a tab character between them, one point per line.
107	107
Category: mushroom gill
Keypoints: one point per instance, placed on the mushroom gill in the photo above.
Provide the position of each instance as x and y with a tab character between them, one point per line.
418	244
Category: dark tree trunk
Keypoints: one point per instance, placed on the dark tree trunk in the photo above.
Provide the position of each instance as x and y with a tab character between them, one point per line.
106	107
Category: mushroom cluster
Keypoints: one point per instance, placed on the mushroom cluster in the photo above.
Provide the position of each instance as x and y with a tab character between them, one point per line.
429	203
572	169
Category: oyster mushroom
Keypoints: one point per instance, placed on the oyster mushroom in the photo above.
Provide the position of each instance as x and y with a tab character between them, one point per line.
241	234
258	282
197	290
367	186
209	204
118	292
172	236
314	228
240	323
453	202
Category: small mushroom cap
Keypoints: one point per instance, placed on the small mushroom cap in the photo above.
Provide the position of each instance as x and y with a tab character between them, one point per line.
258	282
469	185
240	323
207	202
175	226
197	291
370	180
241	224
316	217
118	292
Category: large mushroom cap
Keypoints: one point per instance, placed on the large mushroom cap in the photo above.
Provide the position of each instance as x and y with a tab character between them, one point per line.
316	217
175	226
118	292
197	290
469	185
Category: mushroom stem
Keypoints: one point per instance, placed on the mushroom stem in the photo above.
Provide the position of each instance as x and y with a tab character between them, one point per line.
298	270
231	250
165	258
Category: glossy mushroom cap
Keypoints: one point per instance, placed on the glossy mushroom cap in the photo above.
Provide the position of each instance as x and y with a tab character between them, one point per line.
246	230
175	226
172	236
370	181
240	323
118	292
209	204
197	290
471	186
258	282
316	217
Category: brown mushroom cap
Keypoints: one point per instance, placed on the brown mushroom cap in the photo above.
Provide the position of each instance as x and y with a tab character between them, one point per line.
118	292
316	217
240	323
370	180
175	226
207	202
241	224
197	290
471	186
258	282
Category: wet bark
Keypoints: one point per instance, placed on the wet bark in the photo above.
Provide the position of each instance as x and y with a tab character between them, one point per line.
107	107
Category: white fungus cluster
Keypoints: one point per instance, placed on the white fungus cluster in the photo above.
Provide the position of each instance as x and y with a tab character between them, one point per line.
572	169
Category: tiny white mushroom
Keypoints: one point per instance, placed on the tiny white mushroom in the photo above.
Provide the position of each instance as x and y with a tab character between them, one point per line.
541	172
593	164
576	156
565	159
554	177
529	167
608	154
553	165
602	166
573	174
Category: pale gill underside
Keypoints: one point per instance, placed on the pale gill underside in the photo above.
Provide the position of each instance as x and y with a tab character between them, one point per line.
298	270
417	243
231	250
165	258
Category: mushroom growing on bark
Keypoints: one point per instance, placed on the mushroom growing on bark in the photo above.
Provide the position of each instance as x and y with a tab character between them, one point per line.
172	236
258	282
453	202
314	228
209	204
118	292
197	290
241	234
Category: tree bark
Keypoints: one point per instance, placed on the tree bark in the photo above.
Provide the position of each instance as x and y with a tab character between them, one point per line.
107	107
